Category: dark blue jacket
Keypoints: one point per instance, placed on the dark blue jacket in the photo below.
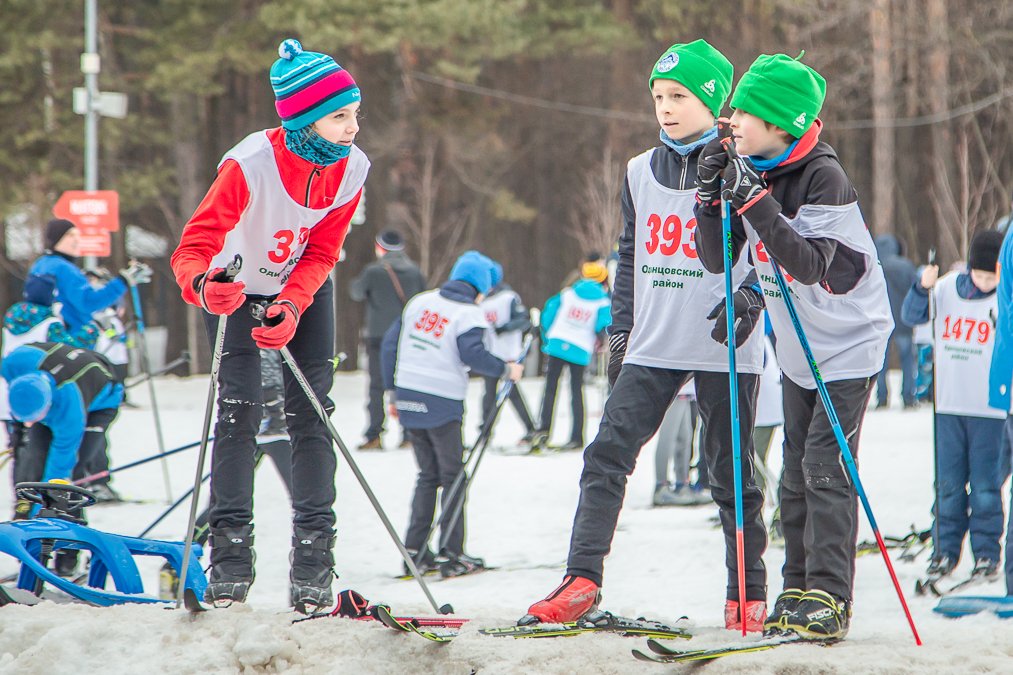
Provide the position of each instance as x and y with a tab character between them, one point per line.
471	346
79	299
916	303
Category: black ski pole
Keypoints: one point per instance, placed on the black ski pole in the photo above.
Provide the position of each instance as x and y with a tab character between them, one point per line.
227	276
103	474
171	508
184	357
258	312
480	446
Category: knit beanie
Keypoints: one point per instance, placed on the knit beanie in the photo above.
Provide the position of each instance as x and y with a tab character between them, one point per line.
984	252
474	268
55	229
595	271
783	91
389	240
700	68
31	395
40	289
497	274
308	85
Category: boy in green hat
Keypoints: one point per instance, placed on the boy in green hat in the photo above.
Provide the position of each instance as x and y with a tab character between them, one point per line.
798	206
668	325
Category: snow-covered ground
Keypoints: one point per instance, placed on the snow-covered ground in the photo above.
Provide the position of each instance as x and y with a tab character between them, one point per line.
665	564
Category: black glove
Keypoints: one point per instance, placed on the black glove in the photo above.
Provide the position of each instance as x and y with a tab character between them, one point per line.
617	352
743	183
748	304
712	161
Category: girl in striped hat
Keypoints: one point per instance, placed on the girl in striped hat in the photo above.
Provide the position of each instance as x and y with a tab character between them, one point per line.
282	200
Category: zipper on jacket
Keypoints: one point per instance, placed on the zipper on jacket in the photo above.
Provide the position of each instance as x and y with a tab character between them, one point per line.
309	184
685	167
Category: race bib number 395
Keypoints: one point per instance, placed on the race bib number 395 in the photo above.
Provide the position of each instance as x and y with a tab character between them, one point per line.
432	322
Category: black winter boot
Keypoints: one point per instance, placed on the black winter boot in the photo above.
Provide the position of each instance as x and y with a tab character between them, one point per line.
232	561
312	570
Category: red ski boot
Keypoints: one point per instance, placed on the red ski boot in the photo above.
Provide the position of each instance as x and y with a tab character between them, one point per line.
574	598
756	613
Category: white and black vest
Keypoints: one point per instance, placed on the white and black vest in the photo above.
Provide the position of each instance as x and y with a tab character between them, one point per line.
506	346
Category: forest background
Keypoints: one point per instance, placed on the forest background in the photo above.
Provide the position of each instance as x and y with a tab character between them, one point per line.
498	125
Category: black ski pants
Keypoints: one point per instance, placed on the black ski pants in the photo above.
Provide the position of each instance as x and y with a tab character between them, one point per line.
515	397
554	369
439	453
375	406
241	407
819	503
633	413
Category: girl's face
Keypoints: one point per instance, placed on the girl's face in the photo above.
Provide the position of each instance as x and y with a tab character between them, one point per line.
682	116
70	243
339	126
752	137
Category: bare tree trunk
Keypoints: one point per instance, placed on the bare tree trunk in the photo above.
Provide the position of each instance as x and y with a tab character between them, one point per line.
187	155
938	95
884	179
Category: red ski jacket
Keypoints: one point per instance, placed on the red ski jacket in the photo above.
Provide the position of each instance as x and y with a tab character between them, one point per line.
219	212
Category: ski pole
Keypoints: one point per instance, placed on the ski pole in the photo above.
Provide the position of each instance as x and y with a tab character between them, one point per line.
184	357
171	508
227	275
935	431
733	389
103	474
143	355
258	313
835	424
480	446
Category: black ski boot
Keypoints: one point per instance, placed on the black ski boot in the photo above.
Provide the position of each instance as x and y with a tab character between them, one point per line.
312	570
819	616
459	565
785	606
426	565
232	561
66	562
985	569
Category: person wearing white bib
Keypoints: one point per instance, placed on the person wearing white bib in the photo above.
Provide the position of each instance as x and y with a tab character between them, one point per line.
426	356
283	200
571	321
799	208
968	429
508	322
668	325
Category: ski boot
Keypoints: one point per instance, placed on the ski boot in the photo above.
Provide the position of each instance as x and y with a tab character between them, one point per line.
937	569
426	565
572	446
105	494
232	561
312	561
168	583
774	534
539	441
574	598
22	510
785	605
756	613
819	616
65	563
459	565
682	495
985	569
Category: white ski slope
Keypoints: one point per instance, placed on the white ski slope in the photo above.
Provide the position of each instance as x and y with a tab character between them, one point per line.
666	563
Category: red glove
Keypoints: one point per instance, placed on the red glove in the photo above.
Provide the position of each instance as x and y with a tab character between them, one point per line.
217	294
280	321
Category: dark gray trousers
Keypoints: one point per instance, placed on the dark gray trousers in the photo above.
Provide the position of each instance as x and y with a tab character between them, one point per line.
633	413
440	456
819	503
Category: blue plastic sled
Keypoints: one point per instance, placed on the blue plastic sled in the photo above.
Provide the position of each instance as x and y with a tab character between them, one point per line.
111	555
959	606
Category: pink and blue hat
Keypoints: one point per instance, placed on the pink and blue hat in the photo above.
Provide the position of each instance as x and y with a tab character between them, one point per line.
309	85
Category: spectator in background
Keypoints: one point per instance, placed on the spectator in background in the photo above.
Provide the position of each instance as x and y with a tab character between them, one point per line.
79	299
900	275
386	286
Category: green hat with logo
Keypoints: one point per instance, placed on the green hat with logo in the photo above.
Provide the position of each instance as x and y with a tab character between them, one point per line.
700	68
783	91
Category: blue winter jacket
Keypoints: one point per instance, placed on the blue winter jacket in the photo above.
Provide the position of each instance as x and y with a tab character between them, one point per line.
589	290
1001	375
68	413
79	299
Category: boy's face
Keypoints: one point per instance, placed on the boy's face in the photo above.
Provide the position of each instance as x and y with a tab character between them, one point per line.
985	281
339	126
752	137
682	116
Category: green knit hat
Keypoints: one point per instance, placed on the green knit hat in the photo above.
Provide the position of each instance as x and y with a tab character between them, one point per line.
700	68
783	91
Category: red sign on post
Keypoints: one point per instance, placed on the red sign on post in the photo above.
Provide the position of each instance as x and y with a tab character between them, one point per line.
95	241
98	211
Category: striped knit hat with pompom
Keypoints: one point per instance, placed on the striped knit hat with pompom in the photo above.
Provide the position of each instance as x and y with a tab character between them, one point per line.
308	85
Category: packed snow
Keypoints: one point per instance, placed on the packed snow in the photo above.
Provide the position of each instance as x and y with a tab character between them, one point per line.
666	563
